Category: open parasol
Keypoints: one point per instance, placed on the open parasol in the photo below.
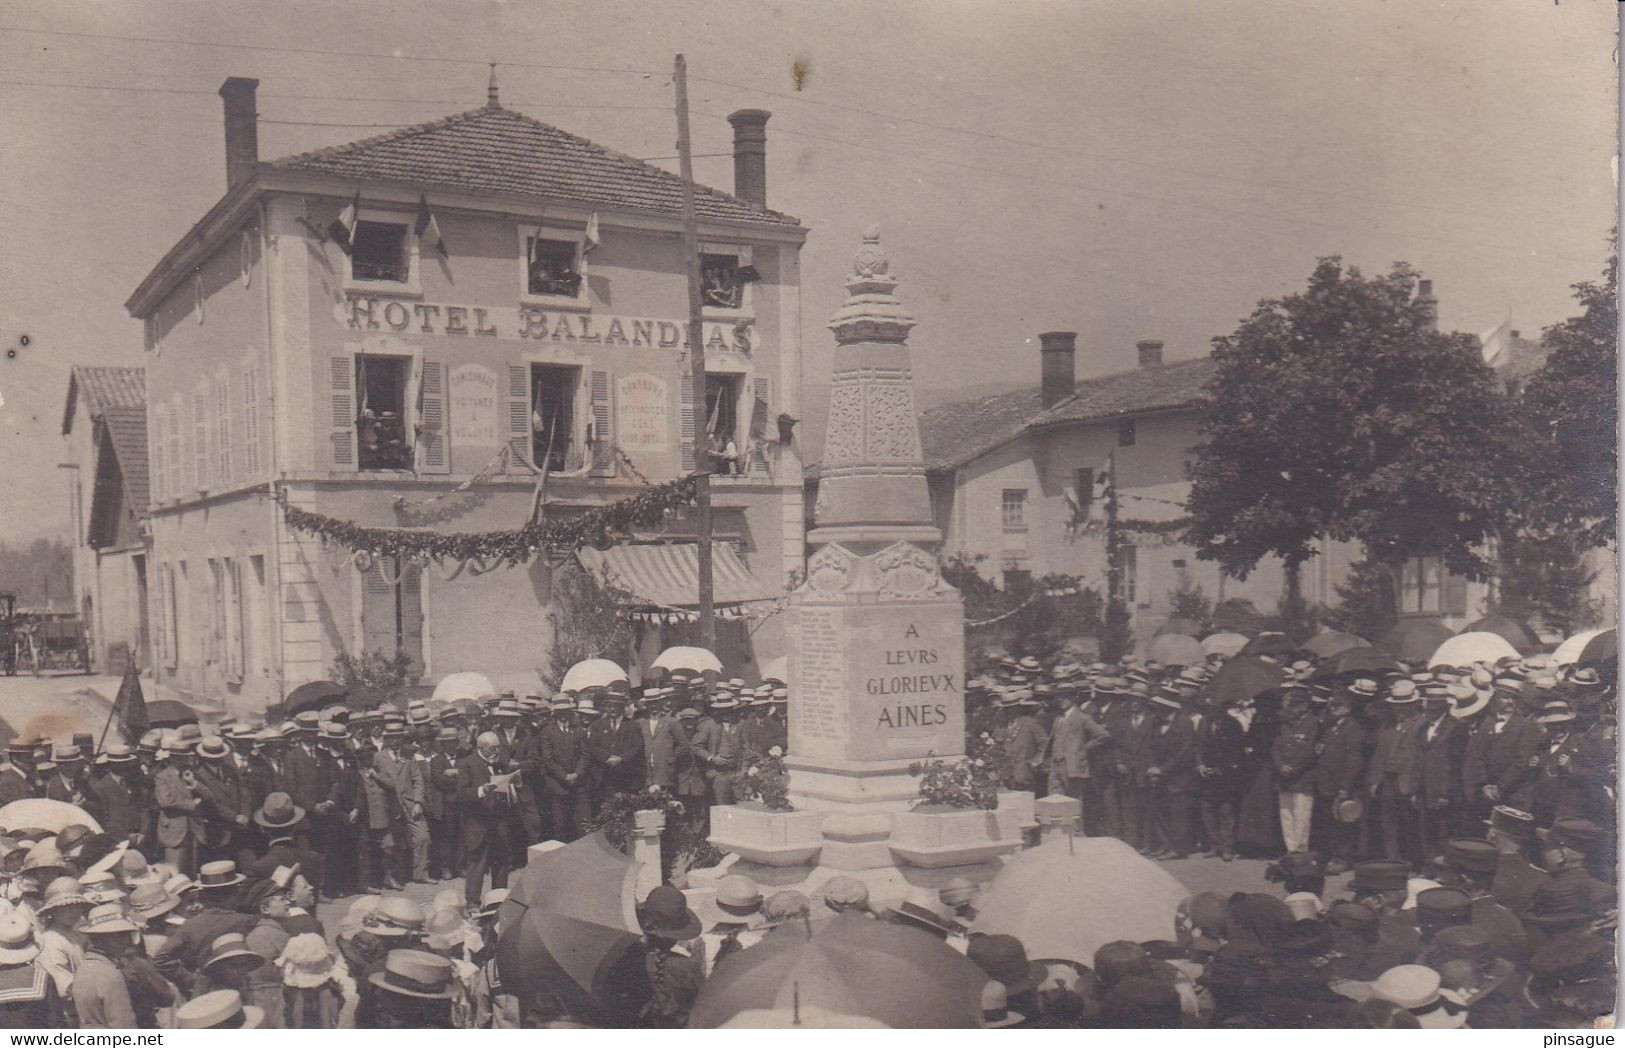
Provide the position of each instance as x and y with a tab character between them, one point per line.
170	713
1355	660
1464	649
1413	640
592	673
572	919
1515	632
313	695
1270	642
464	685
850	965
1175	649
37	813
1243	677
1223	643
697	660
1070	896
777	669
1328	643
1589	646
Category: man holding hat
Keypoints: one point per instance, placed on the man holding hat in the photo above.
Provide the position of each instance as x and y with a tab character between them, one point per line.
227	801
179	800
1337	777
1394	772
1495	763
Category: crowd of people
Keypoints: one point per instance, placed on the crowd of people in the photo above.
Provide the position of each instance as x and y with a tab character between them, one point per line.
1472	808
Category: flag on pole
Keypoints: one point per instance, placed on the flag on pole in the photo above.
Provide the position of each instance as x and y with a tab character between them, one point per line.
130	707
1496	344
1102	492
592	233
536	240
427	229
343	229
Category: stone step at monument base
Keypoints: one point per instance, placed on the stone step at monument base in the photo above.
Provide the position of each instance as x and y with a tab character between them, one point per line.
888	885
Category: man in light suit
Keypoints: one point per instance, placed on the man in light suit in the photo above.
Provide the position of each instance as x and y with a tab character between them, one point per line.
1076	736
180	825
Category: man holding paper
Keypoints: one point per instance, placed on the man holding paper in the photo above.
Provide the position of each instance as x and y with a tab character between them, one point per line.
488	791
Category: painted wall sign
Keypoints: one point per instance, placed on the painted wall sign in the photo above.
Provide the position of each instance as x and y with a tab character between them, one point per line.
642	413
373	313
474	406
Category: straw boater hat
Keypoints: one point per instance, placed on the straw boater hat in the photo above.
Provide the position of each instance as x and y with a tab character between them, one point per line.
586	708
491	902
396	916
1415	987
220	1010
738	896
231	948
118	753
216	875
415	973
17	945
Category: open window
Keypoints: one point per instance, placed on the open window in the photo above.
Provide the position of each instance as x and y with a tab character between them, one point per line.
383	440
553	267
720	286
555	442
723	445
381	252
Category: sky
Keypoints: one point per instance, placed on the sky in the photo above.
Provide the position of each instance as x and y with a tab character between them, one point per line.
1126	170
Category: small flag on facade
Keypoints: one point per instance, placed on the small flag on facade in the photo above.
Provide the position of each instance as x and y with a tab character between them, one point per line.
536	241
131	706
592	233
427	229
1496	344
343	229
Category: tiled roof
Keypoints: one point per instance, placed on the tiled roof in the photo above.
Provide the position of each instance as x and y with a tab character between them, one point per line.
126	429
1524	358
103	388
497	150
953	434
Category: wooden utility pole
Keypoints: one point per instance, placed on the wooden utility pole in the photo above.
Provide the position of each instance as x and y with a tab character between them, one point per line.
696	359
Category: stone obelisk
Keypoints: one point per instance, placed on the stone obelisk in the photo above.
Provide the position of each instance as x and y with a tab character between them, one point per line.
876	635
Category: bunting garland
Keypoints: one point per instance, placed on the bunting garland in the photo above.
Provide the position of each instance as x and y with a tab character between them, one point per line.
599	527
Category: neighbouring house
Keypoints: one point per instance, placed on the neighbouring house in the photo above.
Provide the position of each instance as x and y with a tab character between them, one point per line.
104	423
362	330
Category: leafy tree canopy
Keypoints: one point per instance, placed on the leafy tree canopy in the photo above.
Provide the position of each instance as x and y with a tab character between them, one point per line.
1340	411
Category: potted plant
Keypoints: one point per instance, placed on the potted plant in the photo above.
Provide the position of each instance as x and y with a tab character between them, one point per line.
958	819
763	826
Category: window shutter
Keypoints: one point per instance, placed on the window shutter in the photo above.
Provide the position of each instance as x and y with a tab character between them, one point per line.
1455	593
160	621
200	437
759	428
251	422
234	621
222	427
603	449
341	399
160	460
177	464
411	598
432	454
519	415
687	434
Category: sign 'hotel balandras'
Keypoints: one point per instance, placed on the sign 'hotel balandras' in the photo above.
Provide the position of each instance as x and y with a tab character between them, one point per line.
376	313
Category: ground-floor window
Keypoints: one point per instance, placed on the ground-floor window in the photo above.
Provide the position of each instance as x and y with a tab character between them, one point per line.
392	609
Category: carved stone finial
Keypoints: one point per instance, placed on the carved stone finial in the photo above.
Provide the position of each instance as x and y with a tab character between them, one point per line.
872	312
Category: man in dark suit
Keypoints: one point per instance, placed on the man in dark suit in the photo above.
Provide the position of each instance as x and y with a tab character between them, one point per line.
1393	775
307	777
280	819
1442	737
616	747
122	815
1173	776
1220	756
564	772
227	804
1132	734
441	806
1339	766
17	773
489	819
1495	766
529	757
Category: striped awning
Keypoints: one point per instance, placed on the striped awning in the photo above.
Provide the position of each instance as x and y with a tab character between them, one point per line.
668	574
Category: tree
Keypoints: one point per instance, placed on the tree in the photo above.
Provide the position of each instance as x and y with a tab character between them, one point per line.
1341	412
1187	600
1571	409
1544	578
588	622
1367	606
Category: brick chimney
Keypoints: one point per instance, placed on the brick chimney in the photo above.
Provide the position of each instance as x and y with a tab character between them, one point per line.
750	154
1150	352
1425	299
242	128
1058	352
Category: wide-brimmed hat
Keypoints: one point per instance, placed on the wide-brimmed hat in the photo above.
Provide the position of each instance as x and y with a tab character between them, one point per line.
307	961
279	812
1555	712
62	891
922	909
1402	693
1573	832
337	734
1466	700
491	902
44	855
445	930
396	916
506	708
151	901
17	945
1557	902
1415	987
996	1013
1004	958
587	708
231	947
220	874
107	919
845	893
183	738
118	753
416	973
665	913
219	1010
308	721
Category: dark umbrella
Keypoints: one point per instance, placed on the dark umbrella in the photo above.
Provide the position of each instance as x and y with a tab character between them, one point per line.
1243	677
1415	640
1325	645
1355	660
1514	632
1178	625
168	713
569	921
1601	648
1269	643
312	695
852	965
365	698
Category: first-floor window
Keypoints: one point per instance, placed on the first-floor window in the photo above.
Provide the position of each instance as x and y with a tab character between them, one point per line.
381	436
1013	507
554	268
552	415
720	286
722	423
380	252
